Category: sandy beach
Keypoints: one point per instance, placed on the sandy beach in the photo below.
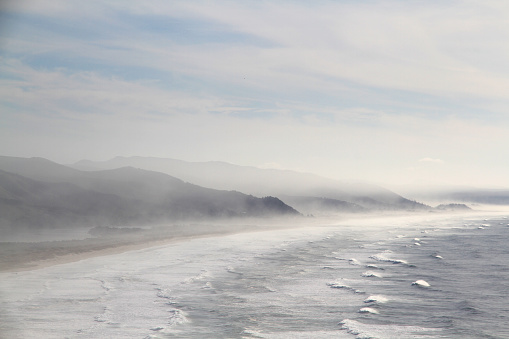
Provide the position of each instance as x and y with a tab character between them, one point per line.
25	256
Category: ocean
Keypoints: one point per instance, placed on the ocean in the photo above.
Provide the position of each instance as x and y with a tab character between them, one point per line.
438	276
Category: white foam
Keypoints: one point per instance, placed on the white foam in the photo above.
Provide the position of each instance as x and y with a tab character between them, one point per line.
421	283
177	317
371	331
368	310
340	285
371	274
354	262
382	257
374	266
203	275
377	299
254	333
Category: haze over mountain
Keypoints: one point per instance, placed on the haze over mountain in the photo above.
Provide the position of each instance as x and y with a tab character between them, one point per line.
261	182
463	194
36	192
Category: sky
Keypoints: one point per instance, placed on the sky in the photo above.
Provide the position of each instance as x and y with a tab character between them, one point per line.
390	92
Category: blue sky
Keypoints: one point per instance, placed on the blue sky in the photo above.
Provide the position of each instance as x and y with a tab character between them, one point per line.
411	92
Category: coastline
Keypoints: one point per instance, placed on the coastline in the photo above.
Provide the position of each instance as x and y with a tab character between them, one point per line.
28	256
25	256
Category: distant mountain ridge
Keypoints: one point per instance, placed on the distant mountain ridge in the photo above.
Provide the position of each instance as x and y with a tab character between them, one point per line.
263	182
35	192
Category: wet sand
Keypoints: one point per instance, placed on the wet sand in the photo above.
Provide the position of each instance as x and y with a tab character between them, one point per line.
24	256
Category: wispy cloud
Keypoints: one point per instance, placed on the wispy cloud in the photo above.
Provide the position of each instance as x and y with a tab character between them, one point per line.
341	88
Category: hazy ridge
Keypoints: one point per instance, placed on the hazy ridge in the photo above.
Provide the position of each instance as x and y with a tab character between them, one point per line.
36	193
285	184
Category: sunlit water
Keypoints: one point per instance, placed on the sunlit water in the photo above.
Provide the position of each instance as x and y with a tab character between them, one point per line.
357	280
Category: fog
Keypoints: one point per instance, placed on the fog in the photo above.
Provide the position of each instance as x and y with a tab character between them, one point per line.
52	211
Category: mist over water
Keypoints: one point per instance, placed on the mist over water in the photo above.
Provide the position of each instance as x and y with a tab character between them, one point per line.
357	279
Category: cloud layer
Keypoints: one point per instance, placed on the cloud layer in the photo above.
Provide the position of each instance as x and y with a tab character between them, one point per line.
351	90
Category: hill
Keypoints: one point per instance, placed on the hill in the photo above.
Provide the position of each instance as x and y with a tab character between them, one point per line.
265	182
38	193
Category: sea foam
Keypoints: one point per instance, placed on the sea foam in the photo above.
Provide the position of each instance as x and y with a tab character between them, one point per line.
371	274
421	283
368	310
371	331
382	257
377	299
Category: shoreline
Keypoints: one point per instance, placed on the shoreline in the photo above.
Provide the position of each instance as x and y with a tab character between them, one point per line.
29	256
25	256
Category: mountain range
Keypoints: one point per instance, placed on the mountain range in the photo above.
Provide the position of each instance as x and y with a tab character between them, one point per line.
39	193
312	189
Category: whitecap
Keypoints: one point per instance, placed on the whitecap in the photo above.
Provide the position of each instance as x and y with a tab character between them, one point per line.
177	317
370	331
340	285
368	310
421	283
354	262
377	299
207	285
232	270
374	266
370	274
382	257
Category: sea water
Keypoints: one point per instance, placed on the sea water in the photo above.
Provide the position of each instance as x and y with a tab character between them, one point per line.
436	277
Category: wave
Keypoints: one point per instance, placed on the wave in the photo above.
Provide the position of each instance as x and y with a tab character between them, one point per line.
435	255
382	257
421	283
203	275
354	262
371	274
371	331
177	317
232	270
376	299
340	285
368	310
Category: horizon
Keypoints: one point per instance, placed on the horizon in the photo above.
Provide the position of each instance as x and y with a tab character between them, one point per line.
387	92
403	189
